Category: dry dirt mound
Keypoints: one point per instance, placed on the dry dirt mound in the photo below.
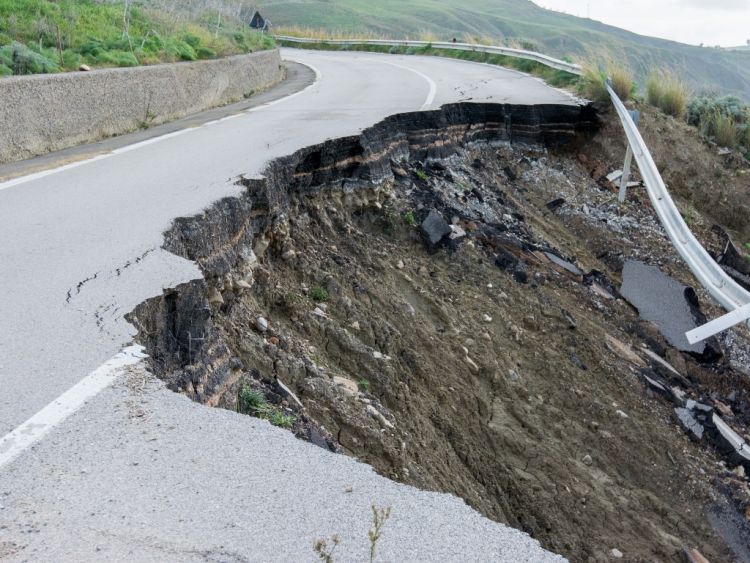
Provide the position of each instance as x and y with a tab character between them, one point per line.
439	298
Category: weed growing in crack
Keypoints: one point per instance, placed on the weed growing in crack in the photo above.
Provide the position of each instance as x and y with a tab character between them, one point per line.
379	518
254	403
421	174
364	385
318	294
410	219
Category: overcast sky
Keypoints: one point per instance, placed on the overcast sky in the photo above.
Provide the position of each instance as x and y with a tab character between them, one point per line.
713	22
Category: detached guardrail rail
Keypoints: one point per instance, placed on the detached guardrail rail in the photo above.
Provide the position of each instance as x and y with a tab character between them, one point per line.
727	292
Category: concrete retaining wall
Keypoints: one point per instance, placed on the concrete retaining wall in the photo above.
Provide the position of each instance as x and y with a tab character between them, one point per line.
43	113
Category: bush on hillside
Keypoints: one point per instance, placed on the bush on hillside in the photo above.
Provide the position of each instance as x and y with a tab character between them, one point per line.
51	35
20	59
667	92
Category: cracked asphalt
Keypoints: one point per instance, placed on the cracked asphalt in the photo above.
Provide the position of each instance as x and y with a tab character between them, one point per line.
82	247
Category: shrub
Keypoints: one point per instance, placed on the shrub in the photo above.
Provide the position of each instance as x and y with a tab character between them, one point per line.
117	58
250	401
703	107
622	81
364	385
318	294
593	83
5	71
22	60
205	53
723	129
667	92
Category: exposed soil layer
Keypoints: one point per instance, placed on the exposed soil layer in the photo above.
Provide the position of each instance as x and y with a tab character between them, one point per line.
440	294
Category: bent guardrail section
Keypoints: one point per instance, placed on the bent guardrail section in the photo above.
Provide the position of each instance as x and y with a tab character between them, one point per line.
727	292
731	295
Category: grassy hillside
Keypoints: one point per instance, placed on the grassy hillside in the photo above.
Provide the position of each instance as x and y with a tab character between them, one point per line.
38	36
704	69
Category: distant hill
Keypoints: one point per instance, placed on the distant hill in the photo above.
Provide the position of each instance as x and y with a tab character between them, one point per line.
554	33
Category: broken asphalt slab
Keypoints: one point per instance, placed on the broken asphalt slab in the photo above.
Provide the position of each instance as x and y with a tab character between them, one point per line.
670	305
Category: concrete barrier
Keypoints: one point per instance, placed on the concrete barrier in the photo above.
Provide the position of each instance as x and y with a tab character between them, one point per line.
43	113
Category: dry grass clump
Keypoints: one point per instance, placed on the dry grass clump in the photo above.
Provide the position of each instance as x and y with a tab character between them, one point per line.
593	82
323	34
667	92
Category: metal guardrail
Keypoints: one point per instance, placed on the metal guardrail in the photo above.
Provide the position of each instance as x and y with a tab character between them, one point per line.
493	50
732	296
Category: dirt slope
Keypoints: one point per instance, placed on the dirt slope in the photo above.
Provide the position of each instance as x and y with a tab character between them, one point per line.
498	363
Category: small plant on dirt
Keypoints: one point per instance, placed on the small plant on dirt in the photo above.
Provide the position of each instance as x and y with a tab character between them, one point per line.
254	403
276	417
318	294
747	247
379	518
364	385
421	174
324	552
410	219
689	216
250	401
292	301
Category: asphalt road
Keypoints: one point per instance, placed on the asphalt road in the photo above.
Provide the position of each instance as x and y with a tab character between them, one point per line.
81	246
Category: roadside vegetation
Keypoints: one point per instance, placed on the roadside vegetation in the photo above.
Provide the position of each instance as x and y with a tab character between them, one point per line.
254	403
557	78
667	92
42	36
593	82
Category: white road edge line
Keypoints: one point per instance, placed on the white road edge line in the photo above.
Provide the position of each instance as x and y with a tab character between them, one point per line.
431	83
35	428
140	144
31	431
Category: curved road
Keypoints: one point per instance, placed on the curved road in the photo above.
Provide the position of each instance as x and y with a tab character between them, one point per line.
81	248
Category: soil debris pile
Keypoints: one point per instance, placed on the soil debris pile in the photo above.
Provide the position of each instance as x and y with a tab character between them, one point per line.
438	298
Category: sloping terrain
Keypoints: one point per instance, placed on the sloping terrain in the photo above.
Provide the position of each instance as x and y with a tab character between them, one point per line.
543	30
439	298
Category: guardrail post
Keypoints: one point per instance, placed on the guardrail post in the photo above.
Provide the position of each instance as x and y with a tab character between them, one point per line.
636	117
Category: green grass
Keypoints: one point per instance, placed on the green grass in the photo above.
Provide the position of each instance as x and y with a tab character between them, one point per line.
517	23
254	403
319	295
40	36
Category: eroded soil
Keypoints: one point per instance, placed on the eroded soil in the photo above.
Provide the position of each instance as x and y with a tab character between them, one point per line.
499	364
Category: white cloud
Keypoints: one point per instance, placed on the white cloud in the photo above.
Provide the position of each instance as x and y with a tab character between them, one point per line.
712	22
